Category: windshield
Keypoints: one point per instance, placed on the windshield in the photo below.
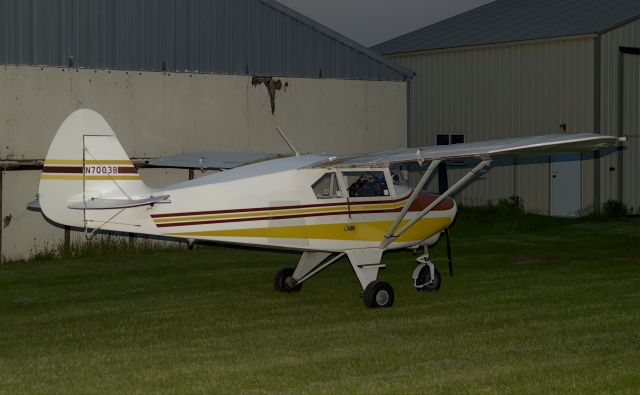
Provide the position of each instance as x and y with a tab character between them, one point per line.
366	183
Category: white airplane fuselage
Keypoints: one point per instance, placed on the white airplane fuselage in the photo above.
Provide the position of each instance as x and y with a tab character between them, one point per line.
280	209
273	205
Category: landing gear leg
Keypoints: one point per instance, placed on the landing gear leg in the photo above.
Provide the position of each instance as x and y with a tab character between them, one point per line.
310	264
425	276
366	264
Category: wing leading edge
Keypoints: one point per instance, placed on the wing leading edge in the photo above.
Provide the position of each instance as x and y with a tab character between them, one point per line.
488	150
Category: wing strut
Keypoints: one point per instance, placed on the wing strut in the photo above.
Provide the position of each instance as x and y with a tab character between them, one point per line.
414	195
461	182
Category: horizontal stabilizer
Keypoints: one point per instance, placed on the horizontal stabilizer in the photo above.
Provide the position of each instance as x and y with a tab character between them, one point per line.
34	205
107	204
487	150
212	160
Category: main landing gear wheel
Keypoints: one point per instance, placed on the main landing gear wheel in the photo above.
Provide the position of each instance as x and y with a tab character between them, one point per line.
378	294
425	282
284	281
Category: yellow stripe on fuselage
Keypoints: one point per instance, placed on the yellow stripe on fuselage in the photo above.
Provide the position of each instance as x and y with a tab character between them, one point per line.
364	231
87	162
89	178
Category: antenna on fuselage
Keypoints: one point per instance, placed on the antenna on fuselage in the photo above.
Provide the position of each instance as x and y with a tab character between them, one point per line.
286	140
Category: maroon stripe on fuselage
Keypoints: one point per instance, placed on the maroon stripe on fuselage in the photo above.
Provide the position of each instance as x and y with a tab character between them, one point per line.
242	210
220	221
272	218
127	170
423	200
62	169
78	170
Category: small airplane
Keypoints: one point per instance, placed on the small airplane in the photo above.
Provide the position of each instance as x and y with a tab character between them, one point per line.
324	205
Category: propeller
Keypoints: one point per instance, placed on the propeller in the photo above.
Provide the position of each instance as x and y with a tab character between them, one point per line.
443	185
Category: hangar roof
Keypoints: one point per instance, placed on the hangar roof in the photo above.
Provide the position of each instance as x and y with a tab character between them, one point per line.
517	20
242	37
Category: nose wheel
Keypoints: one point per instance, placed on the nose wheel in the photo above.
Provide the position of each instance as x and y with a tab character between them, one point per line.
425	276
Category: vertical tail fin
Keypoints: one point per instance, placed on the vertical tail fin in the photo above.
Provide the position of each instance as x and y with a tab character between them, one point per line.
85	161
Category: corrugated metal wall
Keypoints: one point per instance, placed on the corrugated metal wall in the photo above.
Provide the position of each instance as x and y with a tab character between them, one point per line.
505	91
240	37
628	36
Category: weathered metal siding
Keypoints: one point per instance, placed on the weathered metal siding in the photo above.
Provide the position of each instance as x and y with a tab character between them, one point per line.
626	36
505	91
209	112
241	37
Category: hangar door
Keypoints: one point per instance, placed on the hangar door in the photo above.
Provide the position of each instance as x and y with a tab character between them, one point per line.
566	185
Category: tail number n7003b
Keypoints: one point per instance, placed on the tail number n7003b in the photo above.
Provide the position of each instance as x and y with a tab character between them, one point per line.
101	170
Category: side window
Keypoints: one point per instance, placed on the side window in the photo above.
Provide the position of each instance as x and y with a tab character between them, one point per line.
366	183
327	187
399	176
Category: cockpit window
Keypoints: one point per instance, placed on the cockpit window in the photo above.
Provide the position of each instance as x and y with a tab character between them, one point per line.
399	178
366	183
327	187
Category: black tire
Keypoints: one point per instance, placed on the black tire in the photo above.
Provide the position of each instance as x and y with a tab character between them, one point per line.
424	277
378	294
280	283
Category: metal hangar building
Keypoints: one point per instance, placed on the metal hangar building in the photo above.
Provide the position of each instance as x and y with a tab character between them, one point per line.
524	67
175	76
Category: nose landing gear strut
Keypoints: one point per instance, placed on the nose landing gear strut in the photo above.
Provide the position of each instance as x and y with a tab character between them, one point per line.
425	276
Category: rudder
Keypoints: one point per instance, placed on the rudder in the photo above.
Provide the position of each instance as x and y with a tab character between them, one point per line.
85	160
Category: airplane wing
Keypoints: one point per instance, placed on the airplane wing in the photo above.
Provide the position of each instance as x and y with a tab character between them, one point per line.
487	150
212	160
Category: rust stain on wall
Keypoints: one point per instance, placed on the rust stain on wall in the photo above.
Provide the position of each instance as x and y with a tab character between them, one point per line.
271	85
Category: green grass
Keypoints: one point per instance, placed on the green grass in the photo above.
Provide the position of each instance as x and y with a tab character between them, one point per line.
538	305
